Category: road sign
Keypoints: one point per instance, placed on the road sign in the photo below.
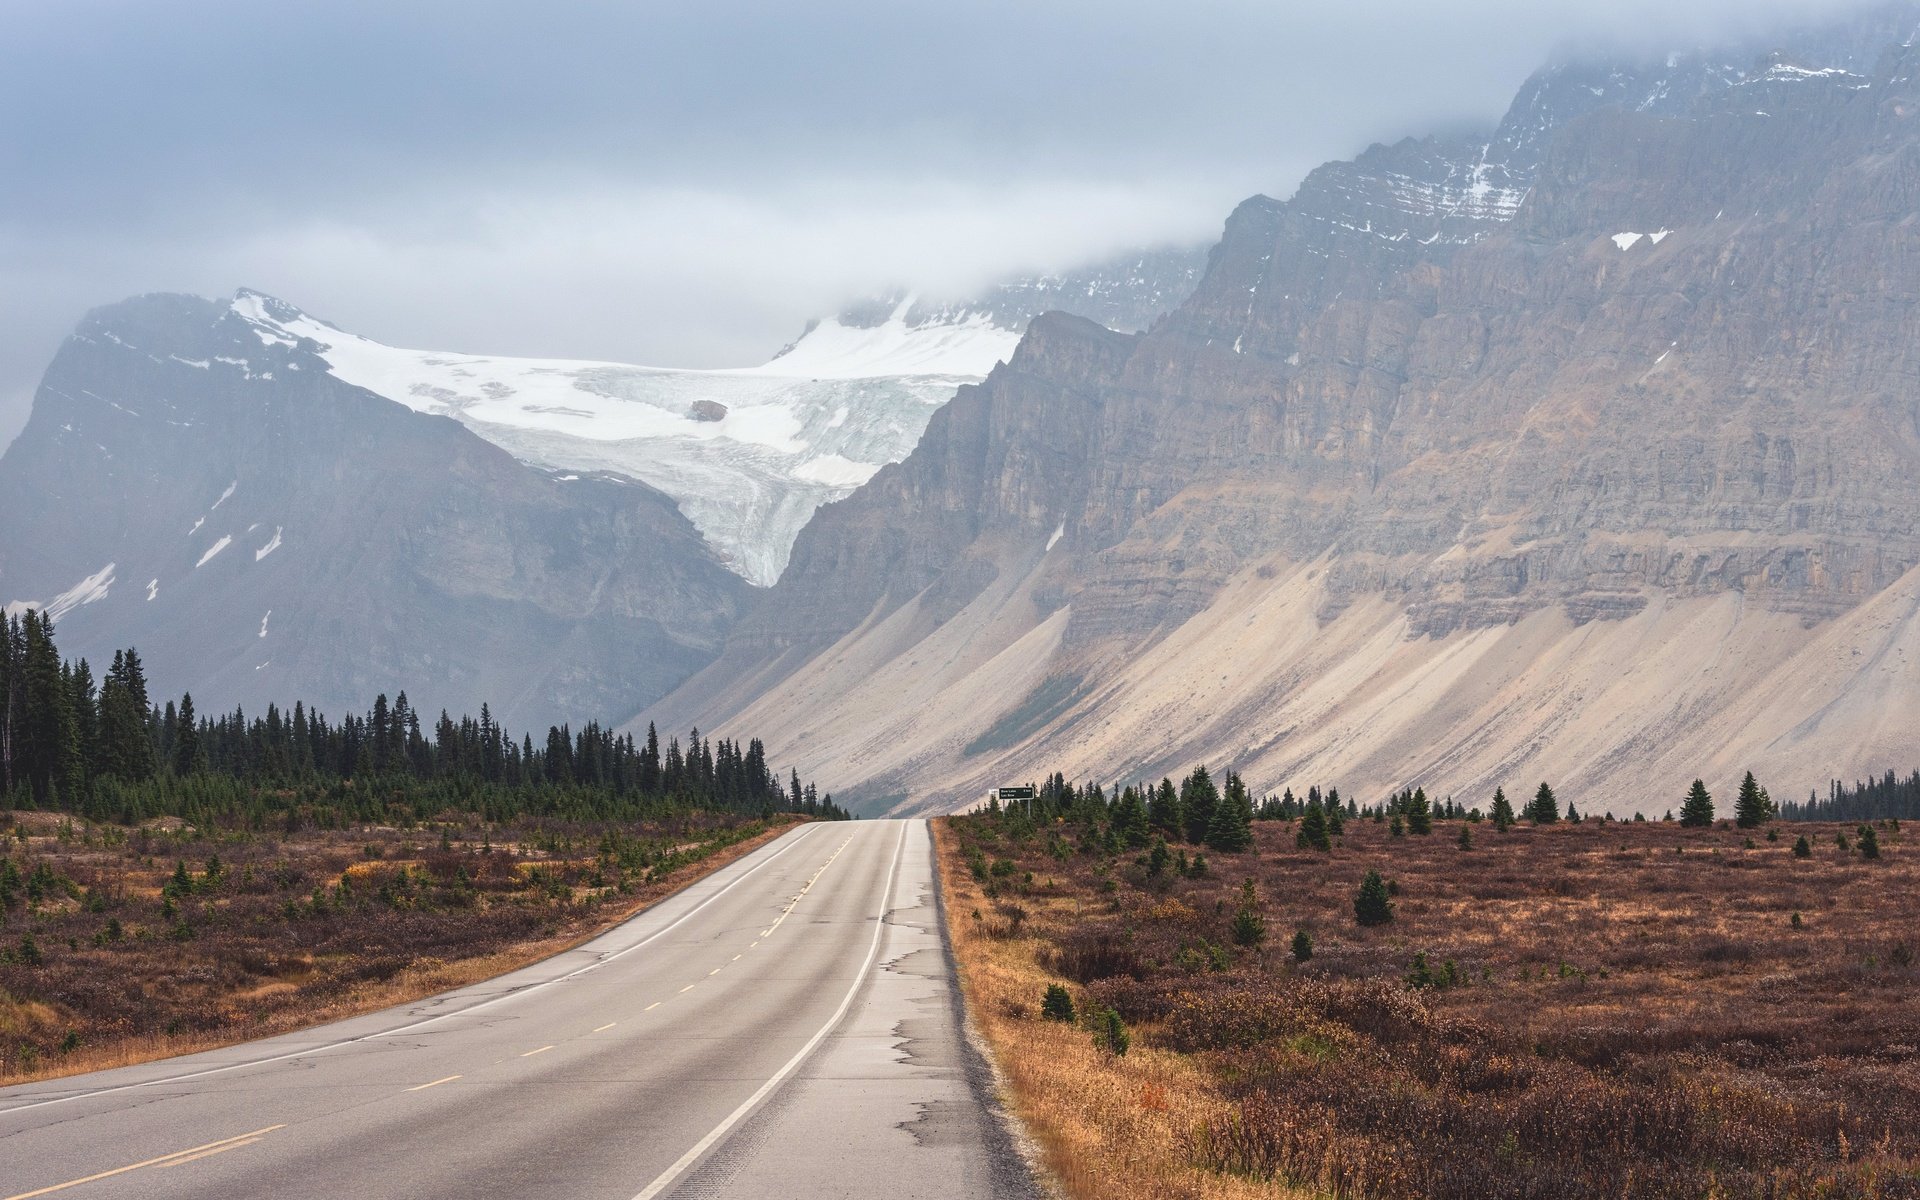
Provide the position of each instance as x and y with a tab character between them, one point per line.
1016	793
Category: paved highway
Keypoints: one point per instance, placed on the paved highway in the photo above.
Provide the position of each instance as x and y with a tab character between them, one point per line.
786	1027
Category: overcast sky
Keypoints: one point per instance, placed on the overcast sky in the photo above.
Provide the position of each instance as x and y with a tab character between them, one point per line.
685	183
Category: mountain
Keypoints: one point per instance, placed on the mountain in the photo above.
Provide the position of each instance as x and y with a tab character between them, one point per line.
1582	450
194	483
270	507
747	453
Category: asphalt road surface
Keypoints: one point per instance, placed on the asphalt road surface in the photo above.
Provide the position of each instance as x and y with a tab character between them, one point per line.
787	1027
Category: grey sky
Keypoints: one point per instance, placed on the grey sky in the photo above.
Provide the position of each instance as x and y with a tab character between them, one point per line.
685	183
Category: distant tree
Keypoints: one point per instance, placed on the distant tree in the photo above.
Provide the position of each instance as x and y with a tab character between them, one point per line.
1130	821
1696	812
1158	858
1869	842
1302	945
1312	834
1113	1034
1163	811
1371	904
1751	809
186	739
1466	837
1545	809
1198	795
1249	927
1419	813
1058	1004
1396	827
1502	810
1230	831
1573	814
1802	848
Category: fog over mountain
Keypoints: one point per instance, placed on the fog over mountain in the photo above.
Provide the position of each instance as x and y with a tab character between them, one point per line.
687	186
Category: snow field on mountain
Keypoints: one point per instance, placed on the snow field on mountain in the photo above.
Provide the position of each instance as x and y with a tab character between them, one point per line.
748	454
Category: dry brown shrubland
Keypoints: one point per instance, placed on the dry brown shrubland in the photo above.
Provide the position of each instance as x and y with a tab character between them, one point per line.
1587	1010
106	960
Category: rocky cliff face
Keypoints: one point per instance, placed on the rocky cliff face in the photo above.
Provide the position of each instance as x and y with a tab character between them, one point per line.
1639	363
202	488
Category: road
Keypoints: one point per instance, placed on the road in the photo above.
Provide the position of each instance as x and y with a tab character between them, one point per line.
787	1027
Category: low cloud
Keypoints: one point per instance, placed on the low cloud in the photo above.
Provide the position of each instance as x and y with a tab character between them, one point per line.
686	185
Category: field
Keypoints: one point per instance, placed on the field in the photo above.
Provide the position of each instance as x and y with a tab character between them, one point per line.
1578	1010
119	945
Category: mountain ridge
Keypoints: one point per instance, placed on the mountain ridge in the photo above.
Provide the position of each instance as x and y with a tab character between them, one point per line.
1392	442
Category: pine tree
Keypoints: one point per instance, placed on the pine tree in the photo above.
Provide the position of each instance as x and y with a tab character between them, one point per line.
1130	821
1197	799
1545	809
1230	831
1163	811
1750	810
1696	812
1419	813
1249	927
1372	905
1502	811
1058	1004
1802	849
186	737
1312	834
1466	837
1302	945
1869	842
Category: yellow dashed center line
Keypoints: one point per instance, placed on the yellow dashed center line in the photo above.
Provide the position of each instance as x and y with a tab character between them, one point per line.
651	1007
436	1083
187	1155
541	1050
607	1026
805	888
686	989
206	1154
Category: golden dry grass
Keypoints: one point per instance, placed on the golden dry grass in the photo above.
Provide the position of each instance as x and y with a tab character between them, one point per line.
1109	1127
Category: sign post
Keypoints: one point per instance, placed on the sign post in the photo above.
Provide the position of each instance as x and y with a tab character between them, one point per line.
1008	794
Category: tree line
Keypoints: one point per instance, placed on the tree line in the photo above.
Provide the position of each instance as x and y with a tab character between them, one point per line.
1220	817
106	751
1888	797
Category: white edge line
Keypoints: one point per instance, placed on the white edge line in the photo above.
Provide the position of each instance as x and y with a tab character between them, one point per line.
733	1118
385	1033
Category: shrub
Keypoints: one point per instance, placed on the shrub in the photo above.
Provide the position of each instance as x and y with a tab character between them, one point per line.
1802	848
1113	1035
1371	905
1302	945
1249	927
1869	842
1058	1005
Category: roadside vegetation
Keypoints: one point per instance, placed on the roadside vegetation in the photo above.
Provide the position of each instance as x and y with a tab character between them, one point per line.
119	945
171	881
1419	1000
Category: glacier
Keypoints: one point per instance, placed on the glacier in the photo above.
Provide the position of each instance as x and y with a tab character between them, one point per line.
747	453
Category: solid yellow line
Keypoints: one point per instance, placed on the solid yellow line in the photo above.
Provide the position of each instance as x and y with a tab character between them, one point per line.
651	1007
541	1050
208	1153
61	1187
436	1083
607	1026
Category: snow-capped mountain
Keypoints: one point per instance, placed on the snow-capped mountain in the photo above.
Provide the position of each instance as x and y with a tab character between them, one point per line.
748	454
198	486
